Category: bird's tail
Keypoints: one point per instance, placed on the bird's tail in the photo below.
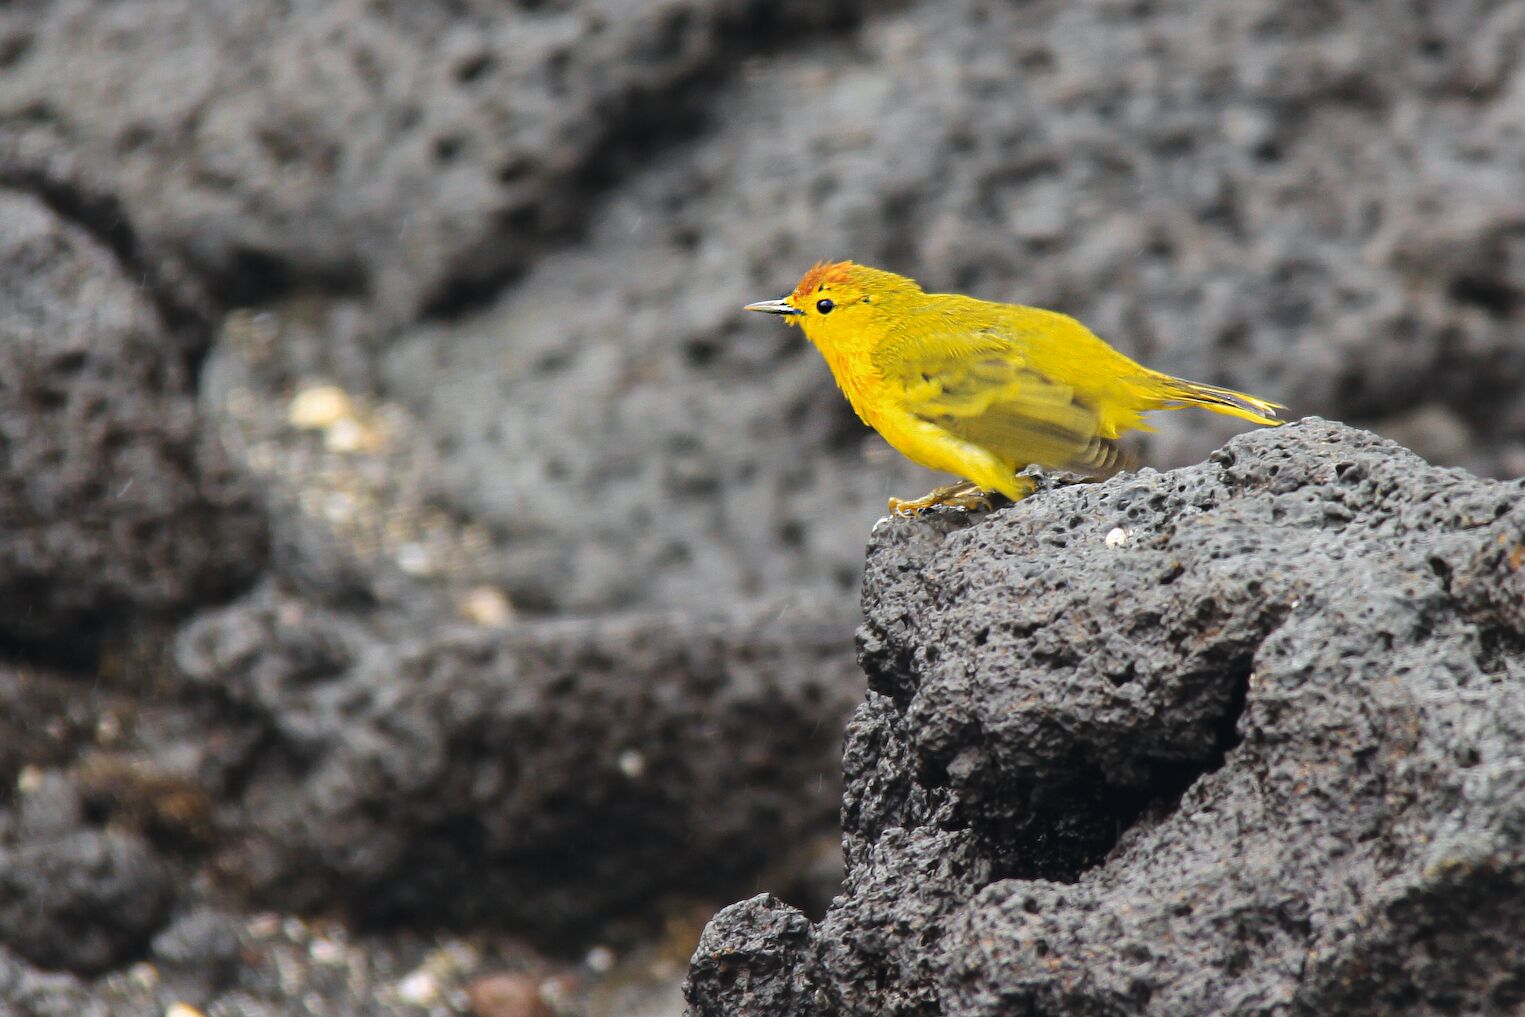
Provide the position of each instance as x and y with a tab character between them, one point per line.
1176	392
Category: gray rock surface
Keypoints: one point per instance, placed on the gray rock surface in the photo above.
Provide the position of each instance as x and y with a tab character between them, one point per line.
118	506
544	778
283	965
200	954
755	956
86	901
1239	738
1322	208
43	719
1233	193
411	153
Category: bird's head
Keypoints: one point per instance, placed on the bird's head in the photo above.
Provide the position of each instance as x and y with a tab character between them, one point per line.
839	301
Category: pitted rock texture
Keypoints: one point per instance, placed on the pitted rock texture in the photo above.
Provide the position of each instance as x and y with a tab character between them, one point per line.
544	779
1229	191
85	901
409	152
1321	207
116	504
1241	738
761	940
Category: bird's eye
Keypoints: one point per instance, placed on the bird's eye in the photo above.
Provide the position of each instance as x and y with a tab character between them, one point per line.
824	306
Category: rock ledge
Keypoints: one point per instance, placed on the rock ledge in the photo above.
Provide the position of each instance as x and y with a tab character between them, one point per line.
1240	738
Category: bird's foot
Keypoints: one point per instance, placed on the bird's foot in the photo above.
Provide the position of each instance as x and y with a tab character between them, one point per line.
965	495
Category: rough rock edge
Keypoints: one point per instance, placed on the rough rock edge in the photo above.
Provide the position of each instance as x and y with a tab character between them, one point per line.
929	923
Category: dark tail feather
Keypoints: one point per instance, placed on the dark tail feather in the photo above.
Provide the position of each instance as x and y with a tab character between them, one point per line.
1178	393
1104	457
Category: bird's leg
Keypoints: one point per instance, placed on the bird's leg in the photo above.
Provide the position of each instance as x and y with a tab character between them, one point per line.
965	495
976	500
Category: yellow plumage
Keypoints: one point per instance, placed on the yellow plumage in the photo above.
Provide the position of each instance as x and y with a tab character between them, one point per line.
983	389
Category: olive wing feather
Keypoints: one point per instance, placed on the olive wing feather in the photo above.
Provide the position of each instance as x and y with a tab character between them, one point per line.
979	388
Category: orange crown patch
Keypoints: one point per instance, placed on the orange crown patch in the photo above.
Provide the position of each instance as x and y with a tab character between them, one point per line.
821	273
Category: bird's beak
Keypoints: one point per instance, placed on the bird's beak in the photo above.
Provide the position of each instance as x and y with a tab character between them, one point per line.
773	307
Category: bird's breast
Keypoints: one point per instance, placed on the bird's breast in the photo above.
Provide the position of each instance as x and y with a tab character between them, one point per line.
858	379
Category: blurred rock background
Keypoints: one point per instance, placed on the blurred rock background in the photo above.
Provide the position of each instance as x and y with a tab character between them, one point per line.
415	572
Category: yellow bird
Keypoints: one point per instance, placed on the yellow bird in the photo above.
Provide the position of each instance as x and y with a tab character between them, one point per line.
981	389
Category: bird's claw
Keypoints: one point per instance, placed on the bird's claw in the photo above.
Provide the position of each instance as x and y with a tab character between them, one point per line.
965	495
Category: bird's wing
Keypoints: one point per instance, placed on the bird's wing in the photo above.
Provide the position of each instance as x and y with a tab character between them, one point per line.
979	387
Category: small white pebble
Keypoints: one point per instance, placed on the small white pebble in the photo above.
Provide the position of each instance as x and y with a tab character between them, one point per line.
600	960
632	764
29	778
487	606
182	1010
1117	537
420	988
415	559
452	958
144	975
108	729
265	925
318	407
346	435
326	951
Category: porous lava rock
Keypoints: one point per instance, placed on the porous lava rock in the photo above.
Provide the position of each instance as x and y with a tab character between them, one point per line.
116	504
1240	738
1233	192
85	901
413	153
545	777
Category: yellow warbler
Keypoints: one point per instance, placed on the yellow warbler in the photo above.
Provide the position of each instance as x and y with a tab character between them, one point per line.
982	389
